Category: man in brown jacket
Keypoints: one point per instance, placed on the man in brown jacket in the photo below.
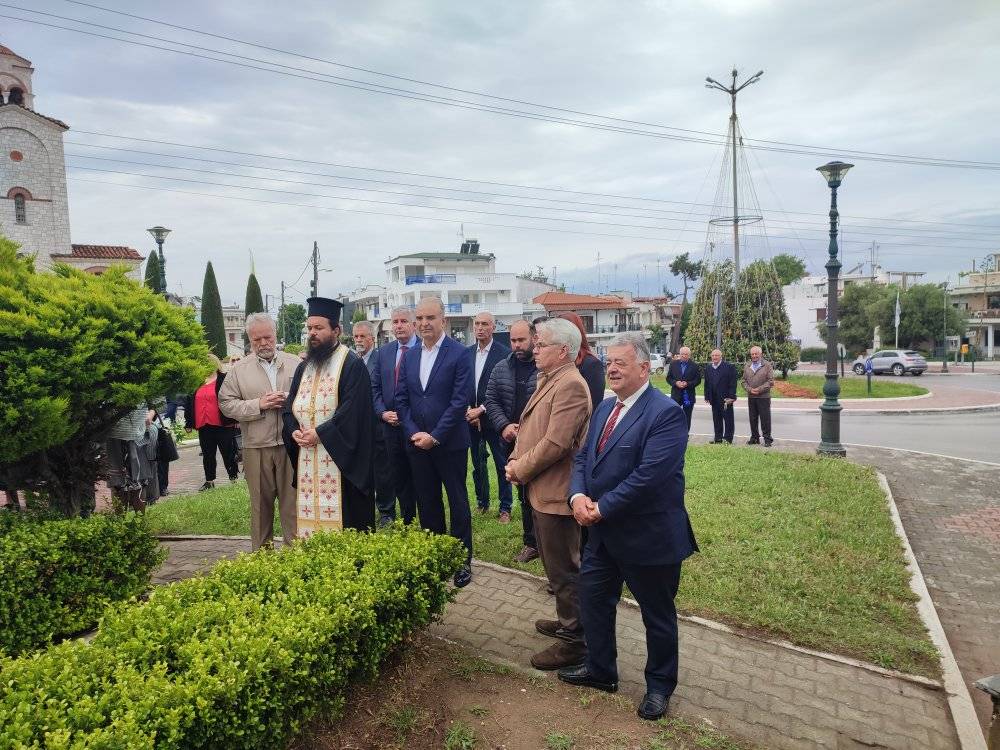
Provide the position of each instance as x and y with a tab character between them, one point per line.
254	393
553	426
758	379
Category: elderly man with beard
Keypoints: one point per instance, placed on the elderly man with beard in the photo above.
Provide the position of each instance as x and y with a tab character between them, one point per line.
253	393
329	429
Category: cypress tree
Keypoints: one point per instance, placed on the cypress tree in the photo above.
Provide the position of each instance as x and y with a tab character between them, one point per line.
153	272
211	314
254	303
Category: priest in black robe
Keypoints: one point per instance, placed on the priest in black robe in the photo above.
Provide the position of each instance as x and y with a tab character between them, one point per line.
335	476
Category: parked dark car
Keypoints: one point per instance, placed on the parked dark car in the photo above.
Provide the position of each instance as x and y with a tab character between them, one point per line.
895	361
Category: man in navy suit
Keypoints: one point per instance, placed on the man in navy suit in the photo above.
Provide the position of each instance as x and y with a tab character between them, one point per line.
628	490
483	355
720	392
431	397
385	367
683	376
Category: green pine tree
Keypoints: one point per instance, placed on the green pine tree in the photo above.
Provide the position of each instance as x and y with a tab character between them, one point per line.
153	272
211	314
254	303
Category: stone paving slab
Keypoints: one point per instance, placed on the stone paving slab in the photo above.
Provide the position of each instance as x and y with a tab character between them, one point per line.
779	696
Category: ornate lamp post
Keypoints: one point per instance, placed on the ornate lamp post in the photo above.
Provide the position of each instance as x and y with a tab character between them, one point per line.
830	409
160	234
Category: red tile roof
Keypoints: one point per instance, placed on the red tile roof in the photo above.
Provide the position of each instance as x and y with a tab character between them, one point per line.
566	301
11	53
102	252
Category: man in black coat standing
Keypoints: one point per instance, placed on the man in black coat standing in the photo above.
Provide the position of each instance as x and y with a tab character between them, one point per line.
684	376
720	392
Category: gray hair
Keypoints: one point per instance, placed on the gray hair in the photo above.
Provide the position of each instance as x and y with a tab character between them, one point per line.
257	318
364	324
563	333
407	311
436	300
636	341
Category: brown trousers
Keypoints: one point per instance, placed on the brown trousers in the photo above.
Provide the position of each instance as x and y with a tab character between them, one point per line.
269	475
558	540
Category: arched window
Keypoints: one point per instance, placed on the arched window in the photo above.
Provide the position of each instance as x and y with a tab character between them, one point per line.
16	96
20	210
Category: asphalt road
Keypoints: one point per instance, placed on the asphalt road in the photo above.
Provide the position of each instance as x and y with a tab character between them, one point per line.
970	435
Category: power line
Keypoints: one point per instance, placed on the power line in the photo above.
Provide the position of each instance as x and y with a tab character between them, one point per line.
891	232
484	94
306	74
461	211
517	186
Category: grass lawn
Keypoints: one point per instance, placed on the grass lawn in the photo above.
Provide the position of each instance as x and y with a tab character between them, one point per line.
798	547
850	387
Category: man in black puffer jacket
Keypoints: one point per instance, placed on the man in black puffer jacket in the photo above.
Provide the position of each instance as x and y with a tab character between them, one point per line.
510	386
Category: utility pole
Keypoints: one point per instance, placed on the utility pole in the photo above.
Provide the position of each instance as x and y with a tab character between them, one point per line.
733	90
904	277
281	311
315	262
944	329
598	271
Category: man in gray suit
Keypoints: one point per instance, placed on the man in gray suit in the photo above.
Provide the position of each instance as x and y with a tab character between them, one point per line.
758	379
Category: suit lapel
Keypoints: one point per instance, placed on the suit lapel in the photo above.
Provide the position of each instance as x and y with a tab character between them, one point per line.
626	422
446	344
539	392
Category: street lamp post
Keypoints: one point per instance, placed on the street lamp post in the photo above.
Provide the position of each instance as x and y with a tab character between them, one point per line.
944	328
830	409
160	234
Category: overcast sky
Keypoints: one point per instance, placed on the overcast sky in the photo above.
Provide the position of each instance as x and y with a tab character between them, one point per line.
897	77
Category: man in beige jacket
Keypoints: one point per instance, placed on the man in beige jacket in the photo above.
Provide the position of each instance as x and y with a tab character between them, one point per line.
553	426
758	379
254	393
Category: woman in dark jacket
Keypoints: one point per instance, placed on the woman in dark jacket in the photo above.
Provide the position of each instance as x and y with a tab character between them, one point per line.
590	367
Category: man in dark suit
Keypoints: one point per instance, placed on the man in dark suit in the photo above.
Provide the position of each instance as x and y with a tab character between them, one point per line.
385	366
684	376
627	488
483	355
720	392
432	396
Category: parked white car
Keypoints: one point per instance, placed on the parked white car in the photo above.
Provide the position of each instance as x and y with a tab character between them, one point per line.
896	361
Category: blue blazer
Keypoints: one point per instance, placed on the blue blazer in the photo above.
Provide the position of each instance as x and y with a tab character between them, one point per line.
477	394
638	482
383	369
439	410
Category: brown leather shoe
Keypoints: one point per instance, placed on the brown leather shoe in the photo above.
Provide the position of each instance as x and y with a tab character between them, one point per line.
527	554
504	517
554	629
560	655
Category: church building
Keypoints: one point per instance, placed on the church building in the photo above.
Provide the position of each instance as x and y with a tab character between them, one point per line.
34	207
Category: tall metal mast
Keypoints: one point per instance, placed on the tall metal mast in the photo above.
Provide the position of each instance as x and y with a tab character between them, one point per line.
733	90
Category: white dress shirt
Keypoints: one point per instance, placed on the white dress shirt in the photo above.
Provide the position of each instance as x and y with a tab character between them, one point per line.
481	355
427	359
627	404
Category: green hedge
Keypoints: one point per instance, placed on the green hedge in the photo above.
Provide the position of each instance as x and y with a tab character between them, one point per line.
239	658
57	577
813	354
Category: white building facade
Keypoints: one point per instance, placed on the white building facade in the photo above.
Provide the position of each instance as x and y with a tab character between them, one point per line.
806	302
467	283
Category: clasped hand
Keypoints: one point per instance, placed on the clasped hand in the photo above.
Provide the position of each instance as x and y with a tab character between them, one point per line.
585	511
306	438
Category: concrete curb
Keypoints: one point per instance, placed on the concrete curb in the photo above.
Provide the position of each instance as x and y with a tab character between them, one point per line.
963	713
863	412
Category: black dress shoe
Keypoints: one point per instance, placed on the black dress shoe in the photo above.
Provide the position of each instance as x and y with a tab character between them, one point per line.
581	676
718	440
653	706
768	443
463	577
753	441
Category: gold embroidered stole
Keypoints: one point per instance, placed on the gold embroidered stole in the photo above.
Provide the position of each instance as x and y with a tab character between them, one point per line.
319	494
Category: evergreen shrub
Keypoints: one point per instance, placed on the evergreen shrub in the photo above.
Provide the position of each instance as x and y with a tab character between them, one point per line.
239	658
57	577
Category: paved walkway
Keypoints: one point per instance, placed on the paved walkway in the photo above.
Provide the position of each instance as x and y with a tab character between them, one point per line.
950	509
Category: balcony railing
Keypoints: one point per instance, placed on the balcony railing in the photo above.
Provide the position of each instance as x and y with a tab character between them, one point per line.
432	278
621	328
450	307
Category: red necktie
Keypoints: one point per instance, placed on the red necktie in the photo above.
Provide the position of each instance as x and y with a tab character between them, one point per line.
402	353
610	426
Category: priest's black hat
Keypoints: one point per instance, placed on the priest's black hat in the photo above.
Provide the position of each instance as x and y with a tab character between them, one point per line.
325	308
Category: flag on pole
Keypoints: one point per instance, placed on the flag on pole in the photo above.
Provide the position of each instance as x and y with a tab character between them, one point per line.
897	308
